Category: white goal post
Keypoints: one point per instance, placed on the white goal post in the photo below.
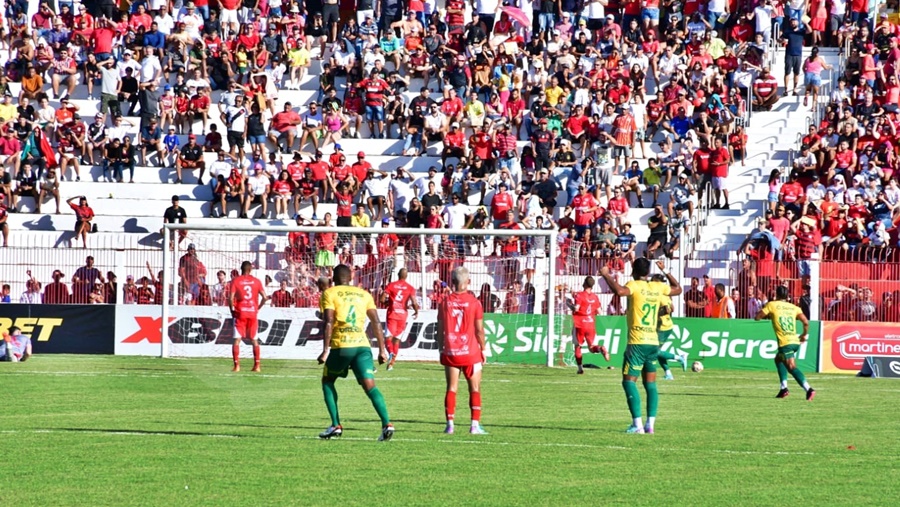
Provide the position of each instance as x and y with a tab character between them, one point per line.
200	328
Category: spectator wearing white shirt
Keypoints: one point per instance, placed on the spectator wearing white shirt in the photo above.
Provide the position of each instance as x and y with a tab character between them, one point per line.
401	191
377	185
151	68
193	22
32	294
257	191
196	82
128	62
164	22
421	184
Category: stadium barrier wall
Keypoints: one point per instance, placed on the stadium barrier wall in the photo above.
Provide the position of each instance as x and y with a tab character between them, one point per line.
845	345
291	333
63	329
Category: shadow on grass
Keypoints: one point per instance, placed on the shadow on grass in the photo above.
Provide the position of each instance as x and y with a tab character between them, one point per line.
131	431
706	395
513	426
263	426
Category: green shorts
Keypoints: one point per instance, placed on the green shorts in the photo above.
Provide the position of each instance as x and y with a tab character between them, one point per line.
787	352
663	336
358	359
324	259
640	358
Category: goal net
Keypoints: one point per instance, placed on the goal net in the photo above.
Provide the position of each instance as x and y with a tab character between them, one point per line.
511	272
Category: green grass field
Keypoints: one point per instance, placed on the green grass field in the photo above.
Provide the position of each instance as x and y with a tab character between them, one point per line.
141	431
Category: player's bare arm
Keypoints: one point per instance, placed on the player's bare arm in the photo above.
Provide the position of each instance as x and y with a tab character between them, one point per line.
479	332
802	318
379	335
415	306
439	332
618	290
326	339
674	287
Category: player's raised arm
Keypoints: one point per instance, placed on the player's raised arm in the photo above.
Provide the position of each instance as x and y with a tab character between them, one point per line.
674	287
763	314
372	313
617	289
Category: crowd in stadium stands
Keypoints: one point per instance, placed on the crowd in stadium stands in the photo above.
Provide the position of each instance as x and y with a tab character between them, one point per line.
580	69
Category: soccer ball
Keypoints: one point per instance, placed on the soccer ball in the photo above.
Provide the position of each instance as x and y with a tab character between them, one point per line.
697	367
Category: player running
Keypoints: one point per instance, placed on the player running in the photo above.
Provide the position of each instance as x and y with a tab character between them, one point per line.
247	296
586	305
645	298
460	341
664	332
401	295
784	316
346	308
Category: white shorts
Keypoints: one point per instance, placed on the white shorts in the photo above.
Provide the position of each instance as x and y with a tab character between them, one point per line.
228	16
530	262
718	183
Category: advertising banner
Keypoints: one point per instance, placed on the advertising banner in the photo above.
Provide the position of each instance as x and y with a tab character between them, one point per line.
284	333
845	345
294	333
63	329
734	344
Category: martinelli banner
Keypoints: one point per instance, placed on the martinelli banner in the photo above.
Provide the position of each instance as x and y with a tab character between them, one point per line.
845	345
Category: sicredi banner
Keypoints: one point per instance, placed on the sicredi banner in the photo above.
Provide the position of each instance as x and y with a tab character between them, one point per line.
728	344
63	329
845	345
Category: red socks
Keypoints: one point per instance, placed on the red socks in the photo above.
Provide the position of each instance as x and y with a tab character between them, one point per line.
450	405
475	405
236	354
578	353
396	345
256	355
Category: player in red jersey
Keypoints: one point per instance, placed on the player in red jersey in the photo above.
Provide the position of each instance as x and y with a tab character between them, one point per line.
246	298
586	305
460	341
399	296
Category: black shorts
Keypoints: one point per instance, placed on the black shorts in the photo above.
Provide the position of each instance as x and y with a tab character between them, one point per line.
595	24
792	64
344	221
661	238
235	138
330	14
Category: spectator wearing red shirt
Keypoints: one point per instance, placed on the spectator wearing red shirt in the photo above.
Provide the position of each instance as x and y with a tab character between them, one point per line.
482	146
83	216
585	206
765	91
501	204
284	126
719	160
792	193
701	165
102	40
56	293
452	106
281	298
515	109
808	246
360	169
618	207
454	143
709	290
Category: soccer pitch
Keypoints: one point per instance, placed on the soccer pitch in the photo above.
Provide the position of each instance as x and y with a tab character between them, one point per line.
82	430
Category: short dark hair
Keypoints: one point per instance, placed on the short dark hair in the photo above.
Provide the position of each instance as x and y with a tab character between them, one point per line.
342	274
781	293
640	267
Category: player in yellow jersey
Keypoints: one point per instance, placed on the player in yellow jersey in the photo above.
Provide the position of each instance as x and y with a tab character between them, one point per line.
346	308
784	316
645	298
664	332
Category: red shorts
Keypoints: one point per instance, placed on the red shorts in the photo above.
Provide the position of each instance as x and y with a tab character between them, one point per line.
585	334
469	370
396	328
245	327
